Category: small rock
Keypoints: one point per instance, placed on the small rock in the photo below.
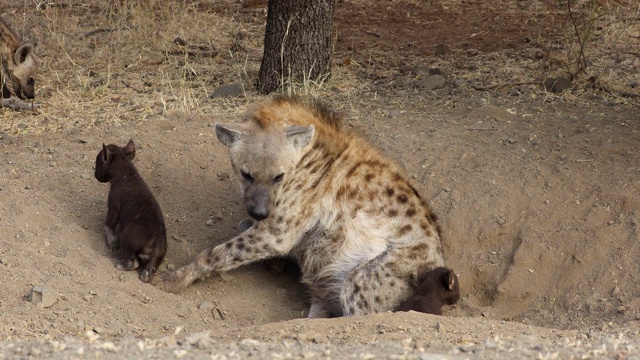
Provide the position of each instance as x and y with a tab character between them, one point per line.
401	82
511	140
206	306
432	82
201	340
43	297
420	70
459	82
556	86
210	222
226	91
439	327
222	175
406	69
473	52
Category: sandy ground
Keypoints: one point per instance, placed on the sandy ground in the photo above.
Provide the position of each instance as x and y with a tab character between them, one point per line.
536	195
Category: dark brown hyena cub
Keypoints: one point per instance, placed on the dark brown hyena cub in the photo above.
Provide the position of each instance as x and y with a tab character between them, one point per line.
437	287
134	222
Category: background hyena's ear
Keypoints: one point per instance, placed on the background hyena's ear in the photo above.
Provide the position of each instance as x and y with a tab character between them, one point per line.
228	133
23	51
130	150
300	135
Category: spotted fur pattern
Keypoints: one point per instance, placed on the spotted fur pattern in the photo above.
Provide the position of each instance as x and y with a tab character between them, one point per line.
359	230
18	69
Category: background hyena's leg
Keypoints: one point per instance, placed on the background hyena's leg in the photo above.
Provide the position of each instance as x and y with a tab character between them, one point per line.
17	104
382	283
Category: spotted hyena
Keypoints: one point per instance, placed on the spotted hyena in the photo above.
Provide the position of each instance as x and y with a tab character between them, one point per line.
359	230
18	69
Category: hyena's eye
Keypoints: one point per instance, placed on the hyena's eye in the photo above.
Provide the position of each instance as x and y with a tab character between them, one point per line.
246	175
30	81
278	178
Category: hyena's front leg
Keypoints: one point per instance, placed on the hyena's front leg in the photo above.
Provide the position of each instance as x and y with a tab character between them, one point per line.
247	247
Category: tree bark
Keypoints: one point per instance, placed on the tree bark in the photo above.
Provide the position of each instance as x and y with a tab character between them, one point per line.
298	43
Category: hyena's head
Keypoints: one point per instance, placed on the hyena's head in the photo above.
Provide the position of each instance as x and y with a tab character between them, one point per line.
22	71
109	159
263	159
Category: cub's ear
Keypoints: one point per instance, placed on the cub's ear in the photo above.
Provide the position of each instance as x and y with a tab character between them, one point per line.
106	154
23	52
130	150
229	133
452	280
300	135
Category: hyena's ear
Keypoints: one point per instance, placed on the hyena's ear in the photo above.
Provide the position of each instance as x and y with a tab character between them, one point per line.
130	150
300	135
228	133
451	280
106	154
23	52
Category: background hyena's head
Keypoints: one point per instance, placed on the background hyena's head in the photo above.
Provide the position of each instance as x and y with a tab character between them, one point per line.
109	159
263	159
23	71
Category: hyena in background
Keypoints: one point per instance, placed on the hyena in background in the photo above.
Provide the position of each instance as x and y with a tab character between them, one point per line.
18	69
134	224
359	230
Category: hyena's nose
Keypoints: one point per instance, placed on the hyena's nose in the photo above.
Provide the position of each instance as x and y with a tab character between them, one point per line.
258	212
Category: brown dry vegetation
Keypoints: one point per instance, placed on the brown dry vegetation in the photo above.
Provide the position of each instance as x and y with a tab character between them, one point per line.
536	191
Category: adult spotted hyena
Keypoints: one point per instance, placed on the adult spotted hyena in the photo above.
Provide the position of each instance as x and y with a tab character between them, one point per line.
358	229
18	69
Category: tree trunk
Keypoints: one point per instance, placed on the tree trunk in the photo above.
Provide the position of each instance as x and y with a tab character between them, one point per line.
297	43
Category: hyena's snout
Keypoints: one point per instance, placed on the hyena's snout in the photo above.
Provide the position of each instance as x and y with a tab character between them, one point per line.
258	202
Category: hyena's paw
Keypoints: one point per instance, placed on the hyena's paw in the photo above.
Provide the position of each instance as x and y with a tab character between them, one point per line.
145	275
127	264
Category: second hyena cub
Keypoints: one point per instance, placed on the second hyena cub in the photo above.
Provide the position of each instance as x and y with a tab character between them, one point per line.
134	223
438	287
18	69
359	230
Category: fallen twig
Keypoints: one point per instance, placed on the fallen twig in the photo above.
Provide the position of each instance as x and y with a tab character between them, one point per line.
495	86
99	30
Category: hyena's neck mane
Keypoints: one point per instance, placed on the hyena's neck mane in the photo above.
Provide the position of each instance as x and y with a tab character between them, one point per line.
9	40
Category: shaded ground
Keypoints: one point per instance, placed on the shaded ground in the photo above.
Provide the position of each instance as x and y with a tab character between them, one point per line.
536	192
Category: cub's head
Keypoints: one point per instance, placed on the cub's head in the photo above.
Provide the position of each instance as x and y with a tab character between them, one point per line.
23	71
264	159
110	157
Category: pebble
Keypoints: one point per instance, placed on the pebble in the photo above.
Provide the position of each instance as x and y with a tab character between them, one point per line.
43	297
227	91
206	306
432	82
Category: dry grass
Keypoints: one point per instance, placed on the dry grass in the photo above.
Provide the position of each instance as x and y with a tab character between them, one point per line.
106	63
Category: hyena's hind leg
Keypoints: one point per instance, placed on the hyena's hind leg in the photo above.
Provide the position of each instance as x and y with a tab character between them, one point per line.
126	258
112	238
153	261
382	283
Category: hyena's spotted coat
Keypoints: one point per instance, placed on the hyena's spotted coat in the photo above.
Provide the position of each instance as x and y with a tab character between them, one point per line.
18	69
360	232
